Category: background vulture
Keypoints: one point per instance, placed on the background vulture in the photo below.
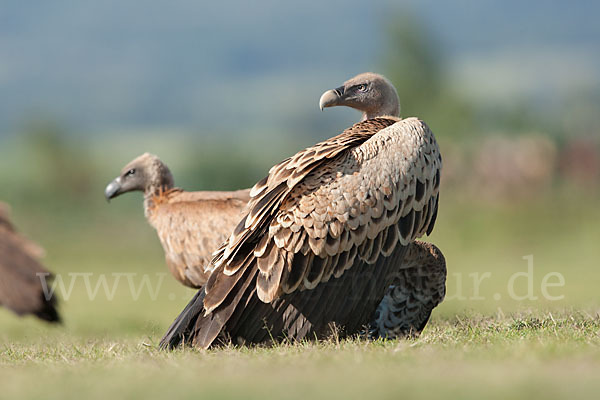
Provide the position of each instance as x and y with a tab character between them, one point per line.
323	237
190	225
21	274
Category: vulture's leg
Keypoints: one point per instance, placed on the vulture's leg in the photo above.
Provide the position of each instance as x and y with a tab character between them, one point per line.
419	285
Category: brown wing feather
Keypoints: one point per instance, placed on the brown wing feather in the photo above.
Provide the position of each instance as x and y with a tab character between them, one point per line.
281	183
294	169
21	287
332	191
191	226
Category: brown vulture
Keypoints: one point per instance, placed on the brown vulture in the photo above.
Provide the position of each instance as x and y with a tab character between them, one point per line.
323	237
190	225
24	282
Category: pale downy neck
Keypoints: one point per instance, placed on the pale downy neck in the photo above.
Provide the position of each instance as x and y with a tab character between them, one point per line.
391	109
161	181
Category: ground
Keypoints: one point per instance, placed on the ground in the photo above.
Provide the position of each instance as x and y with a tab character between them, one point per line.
508	329
549	356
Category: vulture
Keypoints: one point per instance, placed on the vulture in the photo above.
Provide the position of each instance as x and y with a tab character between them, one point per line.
21	274
323	236
190	225
420	285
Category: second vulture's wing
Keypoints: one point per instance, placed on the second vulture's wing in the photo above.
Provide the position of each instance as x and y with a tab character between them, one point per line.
417	288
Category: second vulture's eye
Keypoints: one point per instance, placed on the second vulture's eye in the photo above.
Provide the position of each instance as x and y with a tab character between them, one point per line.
130	172
361	88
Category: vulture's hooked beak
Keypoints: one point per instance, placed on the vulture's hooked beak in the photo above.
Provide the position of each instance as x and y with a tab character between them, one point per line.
332	98
113	189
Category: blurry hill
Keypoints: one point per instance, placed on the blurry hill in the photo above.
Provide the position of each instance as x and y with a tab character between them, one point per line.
219	67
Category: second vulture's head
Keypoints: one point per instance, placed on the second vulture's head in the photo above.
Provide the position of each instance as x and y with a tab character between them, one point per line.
368	92
146	173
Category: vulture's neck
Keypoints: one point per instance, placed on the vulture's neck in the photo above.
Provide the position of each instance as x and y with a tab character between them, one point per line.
387	109
154	195
366	116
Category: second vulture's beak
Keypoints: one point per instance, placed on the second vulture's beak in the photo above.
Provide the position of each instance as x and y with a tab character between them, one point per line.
113	189
332	98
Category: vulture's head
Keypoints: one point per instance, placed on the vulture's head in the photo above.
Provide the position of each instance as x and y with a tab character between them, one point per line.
146	173
368	92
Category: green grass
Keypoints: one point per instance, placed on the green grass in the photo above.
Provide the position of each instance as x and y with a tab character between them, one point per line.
549	356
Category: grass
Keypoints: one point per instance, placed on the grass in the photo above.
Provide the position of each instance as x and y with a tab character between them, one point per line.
550	356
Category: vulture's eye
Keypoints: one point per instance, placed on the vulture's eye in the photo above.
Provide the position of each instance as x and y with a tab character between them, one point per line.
361	88
130	172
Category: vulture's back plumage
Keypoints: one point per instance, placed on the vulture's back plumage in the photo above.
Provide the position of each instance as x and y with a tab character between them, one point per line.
324	234
21	274
191	226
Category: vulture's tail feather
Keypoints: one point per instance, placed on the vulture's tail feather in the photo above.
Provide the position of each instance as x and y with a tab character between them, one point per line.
181	329
48	311
209	327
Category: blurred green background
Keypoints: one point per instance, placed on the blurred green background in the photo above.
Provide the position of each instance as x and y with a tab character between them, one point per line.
223	91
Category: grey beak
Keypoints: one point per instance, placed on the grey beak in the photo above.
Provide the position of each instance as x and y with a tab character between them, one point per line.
113	189
331	98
